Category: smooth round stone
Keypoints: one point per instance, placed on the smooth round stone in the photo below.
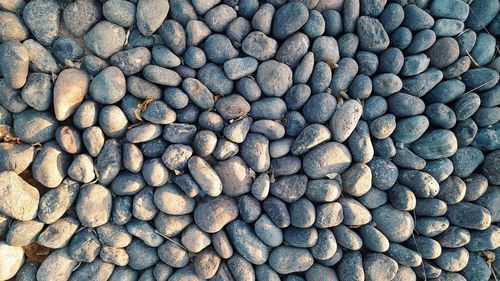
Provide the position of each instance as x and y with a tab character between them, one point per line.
218	49
255	152
240	67
326	159
405	256
448	27
373	239
93	140
488	9
79	16
69	91
59	233
50	165
372	36
105	39
453	260
68	139
289	188
286	260
86	115
14	62
235	176
319	108
477	217
213	214
268	232
274	78
27	272
19	199
328	215
120	12
388	219
293	49
288	19
246	242
379	267
443	52
150	15
357	180
40	58
113	121
42	18
355	214
57	266
84	246
323	190
37	91
94	205
82	169
14	29
345	119
302	213
435	144
158	112
16	157
205	176
310	137
166	195
141	256
347	238
232	107
131	61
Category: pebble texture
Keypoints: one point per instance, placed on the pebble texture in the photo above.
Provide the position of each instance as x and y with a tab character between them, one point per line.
176	140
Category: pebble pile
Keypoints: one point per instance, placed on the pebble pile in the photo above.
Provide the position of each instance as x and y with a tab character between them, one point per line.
240	140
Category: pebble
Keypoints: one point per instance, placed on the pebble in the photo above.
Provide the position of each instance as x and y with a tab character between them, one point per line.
42	18
58	234
372	36
282	258
17	158
326	159
213	214
120	12
388	218
13	28
14	62
57	266
105	39
150	15
69	91
270	83
250	141
79	16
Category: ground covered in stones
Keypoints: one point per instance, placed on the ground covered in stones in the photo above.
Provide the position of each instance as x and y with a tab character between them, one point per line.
185	140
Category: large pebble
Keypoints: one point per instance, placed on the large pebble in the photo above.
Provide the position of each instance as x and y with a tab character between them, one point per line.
105	39
58	266
19	199
246	242
286	259
150	15
327	160
69	91
205	176
372	35
50	165
213	214
14	63
94	205
288	19
42	18
396	225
